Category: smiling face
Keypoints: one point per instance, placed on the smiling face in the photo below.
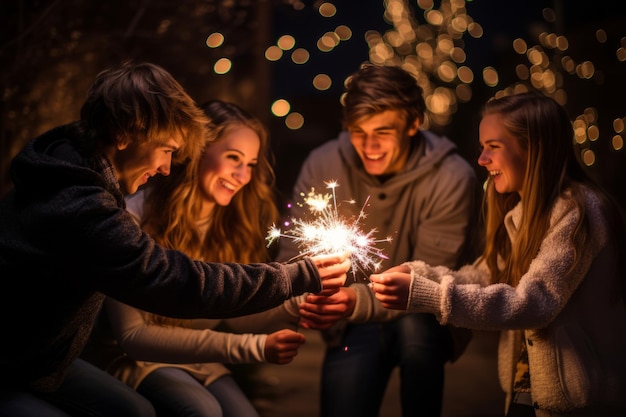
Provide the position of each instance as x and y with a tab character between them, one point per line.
382	141
135	163
502	155
227	165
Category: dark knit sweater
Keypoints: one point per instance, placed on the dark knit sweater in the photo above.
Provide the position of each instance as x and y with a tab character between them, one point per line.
66	241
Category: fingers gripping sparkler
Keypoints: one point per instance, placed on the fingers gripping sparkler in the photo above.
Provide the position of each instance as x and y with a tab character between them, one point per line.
328	232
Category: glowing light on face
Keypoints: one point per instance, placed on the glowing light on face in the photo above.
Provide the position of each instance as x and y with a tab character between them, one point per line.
329	233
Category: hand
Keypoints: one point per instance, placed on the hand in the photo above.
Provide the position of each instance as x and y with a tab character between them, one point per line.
332	269
282	346
322	311
391	288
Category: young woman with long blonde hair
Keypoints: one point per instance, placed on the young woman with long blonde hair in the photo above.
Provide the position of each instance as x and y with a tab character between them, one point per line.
551	278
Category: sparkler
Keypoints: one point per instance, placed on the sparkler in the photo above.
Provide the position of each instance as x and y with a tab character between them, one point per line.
329	233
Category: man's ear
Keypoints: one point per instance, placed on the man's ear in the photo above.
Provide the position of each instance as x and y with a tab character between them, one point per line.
413	127
121	143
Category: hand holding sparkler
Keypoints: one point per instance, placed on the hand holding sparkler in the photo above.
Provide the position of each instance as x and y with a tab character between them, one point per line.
330	233
323	311
333	269
391	287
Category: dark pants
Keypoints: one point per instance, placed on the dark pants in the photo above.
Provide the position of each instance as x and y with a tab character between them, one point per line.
355	374
86	392
174	392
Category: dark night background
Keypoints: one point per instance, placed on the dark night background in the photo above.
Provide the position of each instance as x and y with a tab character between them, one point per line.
50	51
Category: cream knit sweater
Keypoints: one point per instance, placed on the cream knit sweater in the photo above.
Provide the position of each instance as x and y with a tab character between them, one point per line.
574	322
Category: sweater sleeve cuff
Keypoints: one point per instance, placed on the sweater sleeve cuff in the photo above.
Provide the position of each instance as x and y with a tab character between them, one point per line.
292	305
261	347
364	304
304	277
424	296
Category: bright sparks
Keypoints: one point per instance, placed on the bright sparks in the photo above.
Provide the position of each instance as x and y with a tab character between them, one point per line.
329	233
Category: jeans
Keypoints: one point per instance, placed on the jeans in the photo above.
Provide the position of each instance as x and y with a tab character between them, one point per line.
355	374
174	392
86	392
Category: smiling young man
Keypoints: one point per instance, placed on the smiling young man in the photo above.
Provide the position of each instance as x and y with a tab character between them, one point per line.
421	194
66	241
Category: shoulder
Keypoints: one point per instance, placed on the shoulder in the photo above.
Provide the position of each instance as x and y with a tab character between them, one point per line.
576	202
445	153
593	204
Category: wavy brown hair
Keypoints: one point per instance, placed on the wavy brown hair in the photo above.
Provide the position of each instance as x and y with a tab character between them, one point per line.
142	103
236	232
545	131
374	89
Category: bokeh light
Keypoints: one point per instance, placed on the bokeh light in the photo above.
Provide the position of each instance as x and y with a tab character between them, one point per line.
215	40
322	82
222	66
280	107
327	9
300	56
343	32
286	42
273	53
294	121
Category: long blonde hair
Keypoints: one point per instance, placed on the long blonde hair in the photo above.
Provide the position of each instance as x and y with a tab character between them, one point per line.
544	130
236	232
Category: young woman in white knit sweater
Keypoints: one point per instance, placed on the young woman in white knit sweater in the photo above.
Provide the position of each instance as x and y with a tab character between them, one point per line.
551	277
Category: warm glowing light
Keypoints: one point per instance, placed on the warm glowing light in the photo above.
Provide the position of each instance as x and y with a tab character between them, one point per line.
327	9
343	32
588	157
580	129
446	72
568	64
490	76
300	56
280	107
330	233
434	17
286	42
465	74
328	41
519	46
273	53
463	92
585	70
294	121
549	15
215	40
322	82
222	66
562	43
475	29
458	55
